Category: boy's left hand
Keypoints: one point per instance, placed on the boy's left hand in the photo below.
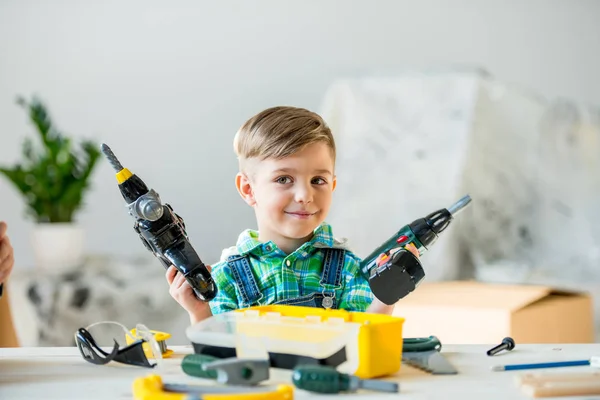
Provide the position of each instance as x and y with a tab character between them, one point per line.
413	249
377	306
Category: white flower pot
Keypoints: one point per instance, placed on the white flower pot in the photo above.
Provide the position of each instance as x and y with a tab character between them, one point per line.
58	247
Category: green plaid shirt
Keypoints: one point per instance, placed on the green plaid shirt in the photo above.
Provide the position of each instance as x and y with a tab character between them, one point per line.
280	276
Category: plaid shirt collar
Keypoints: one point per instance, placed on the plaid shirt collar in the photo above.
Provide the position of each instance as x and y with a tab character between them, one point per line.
322	238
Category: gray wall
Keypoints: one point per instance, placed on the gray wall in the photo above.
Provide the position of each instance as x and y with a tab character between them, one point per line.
166	84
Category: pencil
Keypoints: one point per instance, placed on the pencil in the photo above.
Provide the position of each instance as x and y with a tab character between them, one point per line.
541	365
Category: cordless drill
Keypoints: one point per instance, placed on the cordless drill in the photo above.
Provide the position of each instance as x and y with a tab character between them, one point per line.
161	230
392	270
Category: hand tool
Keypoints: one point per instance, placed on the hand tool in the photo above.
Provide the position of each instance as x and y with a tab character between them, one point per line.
424	353
161	230
231	371
393	271
507	344
152	387
323	379
193	365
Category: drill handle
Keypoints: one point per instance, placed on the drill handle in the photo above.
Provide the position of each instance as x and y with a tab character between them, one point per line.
185	259
183	256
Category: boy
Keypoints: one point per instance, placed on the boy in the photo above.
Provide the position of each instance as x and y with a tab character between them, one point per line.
286	173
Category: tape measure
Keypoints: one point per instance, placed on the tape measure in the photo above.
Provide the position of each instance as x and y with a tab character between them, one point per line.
152	387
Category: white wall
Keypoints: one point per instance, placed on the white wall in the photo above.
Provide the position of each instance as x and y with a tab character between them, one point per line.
166	84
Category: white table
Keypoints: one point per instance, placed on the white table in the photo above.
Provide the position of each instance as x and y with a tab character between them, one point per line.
61	373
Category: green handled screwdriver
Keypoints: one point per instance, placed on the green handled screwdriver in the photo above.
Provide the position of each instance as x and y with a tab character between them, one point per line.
231	371
323	379
193	365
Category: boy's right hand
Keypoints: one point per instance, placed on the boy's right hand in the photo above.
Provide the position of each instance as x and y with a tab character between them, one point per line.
182	292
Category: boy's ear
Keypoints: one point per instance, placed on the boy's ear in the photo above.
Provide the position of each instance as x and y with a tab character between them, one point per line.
334	183
242	183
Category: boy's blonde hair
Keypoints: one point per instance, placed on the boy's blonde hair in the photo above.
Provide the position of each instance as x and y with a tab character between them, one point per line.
279	132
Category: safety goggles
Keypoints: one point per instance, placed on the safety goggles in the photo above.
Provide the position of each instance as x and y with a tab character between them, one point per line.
106	341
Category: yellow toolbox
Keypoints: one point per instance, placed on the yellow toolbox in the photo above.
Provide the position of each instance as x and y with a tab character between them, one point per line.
370	344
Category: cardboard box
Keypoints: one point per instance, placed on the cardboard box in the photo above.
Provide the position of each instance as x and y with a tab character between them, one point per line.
466	312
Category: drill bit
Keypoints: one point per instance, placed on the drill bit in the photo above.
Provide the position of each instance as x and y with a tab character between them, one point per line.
110	156
459	205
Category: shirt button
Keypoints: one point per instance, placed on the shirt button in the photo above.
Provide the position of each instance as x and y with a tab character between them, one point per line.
288	263
268	247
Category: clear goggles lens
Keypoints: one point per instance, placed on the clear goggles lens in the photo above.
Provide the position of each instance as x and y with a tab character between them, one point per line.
106	341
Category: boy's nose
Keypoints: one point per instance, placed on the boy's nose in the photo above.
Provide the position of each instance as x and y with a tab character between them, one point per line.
304	194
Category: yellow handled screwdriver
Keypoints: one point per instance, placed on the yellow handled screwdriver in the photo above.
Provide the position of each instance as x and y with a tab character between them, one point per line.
323	379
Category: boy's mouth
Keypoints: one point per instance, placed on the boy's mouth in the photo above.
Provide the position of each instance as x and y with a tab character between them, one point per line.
300	214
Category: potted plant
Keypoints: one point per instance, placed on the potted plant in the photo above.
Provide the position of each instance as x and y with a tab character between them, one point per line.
53	178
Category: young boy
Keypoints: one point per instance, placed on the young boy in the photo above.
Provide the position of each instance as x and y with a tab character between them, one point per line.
287	174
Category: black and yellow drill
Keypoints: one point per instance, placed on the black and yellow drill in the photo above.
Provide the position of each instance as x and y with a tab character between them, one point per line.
161	230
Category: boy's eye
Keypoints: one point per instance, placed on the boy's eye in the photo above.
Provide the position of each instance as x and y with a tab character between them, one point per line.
283	180
319	181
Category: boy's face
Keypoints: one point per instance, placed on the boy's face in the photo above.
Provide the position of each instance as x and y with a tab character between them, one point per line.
291	196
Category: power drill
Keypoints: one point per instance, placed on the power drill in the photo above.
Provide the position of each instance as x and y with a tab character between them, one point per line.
392	270
161	230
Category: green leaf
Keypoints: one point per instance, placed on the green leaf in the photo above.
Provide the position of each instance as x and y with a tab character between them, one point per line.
53	177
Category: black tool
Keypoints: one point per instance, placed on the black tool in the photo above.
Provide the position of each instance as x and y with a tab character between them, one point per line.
507	344
392	270
161	230
323	379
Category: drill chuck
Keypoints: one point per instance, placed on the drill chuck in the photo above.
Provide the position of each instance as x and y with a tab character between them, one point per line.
130	185
427	229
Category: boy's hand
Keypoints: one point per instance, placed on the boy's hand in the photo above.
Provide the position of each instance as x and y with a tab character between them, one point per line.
413	249
182	292
377	306
7	257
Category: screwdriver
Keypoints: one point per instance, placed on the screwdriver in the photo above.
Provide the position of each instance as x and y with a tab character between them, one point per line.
192	365
323	379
